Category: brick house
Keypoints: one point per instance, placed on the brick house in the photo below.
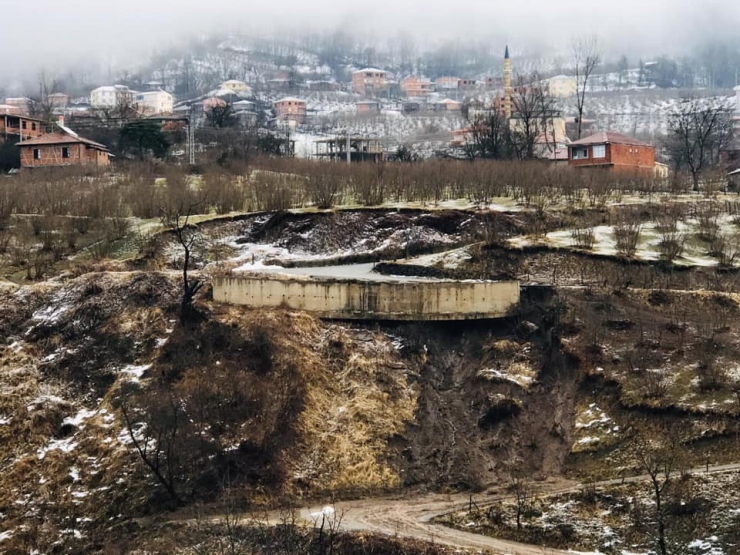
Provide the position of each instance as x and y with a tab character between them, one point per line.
290	110
416	87
367	107
467	84
62	148
370	81
611	151
16	127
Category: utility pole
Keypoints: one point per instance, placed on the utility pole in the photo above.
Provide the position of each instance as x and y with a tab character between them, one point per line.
349	154
191	142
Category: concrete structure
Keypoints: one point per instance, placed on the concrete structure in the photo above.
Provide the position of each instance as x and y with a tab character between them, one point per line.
290	109
160	103
15	127
416	87
561	86
372	300
239	87
612	151
361	149
370	82
62	148
110	97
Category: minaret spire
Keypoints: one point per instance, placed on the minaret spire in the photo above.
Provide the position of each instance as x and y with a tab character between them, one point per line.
507	83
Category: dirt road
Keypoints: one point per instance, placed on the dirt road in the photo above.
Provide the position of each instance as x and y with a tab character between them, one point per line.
411	517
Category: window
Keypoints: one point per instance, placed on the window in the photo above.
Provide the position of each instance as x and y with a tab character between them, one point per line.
65	152
580	153
37	154
600	151
33	127
25	124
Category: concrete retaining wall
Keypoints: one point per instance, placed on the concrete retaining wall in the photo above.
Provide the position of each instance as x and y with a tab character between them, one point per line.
372	300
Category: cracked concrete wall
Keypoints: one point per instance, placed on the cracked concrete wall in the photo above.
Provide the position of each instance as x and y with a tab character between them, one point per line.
357	299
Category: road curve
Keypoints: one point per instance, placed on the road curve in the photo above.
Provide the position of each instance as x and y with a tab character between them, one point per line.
410	517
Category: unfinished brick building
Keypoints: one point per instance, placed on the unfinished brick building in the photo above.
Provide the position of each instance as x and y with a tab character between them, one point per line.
611	151
62	148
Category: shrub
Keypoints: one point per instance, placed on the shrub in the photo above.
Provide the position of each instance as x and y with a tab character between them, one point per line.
627	237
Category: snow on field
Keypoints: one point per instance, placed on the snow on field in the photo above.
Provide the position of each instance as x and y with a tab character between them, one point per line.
78	420
517	373
648	247
133	372
64	445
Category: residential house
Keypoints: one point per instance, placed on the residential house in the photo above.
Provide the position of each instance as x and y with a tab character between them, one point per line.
416	87
245	113
561	86
494	83
612	151
370	82
160	103
446	83
62	148
111	97
448	105
16	127
467	84
367	107
239	87
290	111
22	103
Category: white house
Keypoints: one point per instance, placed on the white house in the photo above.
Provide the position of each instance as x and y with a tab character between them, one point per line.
111	97
155	102
239	87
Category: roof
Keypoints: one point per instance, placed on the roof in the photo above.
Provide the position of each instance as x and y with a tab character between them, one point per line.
609	137
373	69
290	99
449	101
61	138
22	116
233	82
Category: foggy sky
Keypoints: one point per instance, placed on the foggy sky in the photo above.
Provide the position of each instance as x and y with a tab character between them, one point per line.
53	33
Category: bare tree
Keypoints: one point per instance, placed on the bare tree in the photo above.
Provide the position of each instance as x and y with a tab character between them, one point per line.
178	221
533	113
488	136
699	130
586	58
522	490
659	459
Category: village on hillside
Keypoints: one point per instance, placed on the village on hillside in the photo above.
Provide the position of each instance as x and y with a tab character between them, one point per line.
374	114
